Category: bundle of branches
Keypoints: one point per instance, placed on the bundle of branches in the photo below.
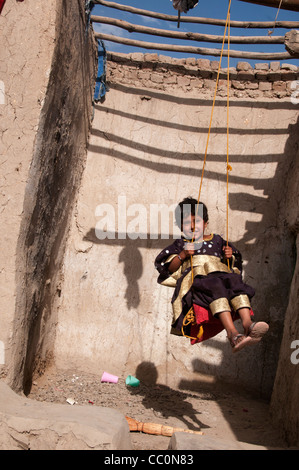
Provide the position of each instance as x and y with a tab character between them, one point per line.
184	5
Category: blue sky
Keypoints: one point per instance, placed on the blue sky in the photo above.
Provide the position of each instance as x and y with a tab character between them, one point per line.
240	11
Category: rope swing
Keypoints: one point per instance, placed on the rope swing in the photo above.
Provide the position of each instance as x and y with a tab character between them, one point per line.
190	316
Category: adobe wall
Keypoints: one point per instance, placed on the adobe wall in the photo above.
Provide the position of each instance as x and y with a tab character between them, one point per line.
146	148
79	300
48	70
268	80
24	72
284	399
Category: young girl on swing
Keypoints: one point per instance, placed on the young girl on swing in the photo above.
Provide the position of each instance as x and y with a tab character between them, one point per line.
206	272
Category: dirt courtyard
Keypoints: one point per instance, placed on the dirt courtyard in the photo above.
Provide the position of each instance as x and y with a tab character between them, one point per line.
218	410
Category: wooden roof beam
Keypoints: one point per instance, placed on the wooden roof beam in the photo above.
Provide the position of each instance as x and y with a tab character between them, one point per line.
193	49
196	19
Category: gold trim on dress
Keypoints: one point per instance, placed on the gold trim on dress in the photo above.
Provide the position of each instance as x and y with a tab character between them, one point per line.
219	305
205	264
177	304
240	301
173	277
202	265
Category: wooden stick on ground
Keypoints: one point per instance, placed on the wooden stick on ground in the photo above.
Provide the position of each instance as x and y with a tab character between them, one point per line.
156	429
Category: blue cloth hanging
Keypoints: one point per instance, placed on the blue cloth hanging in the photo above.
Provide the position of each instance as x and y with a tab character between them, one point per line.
100	87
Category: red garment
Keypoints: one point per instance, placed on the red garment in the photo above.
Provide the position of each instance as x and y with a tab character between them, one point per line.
211	325
1	4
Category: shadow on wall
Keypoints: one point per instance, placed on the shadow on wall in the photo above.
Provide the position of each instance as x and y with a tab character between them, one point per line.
131	258
267	245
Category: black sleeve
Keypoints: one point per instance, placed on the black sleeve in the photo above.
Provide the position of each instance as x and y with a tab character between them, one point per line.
165	257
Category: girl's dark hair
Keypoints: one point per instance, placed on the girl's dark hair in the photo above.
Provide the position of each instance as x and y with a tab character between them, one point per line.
189	206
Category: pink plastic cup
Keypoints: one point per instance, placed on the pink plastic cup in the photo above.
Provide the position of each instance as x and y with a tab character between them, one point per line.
106	377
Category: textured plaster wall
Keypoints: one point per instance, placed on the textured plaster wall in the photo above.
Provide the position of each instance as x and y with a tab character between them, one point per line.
146	147
27	33
284	400
102	309
49	71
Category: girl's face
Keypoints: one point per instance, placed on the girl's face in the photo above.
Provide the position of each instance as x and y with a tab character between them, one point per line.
193	227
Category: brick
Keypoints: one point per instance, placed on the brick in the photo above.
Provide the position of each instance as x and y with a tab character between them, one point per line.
246	75
191	70
178	61
132	75
157	78
251	85
191	61
214	64
239	93
204	63
265	86
254	93
292	67
164	59
243	66
238	85
261	75
209	84
195	83
279	86
151	57
288	75
171	79
137	56
222	83
144	75
275	66
274	76
183	81
264	66
205	73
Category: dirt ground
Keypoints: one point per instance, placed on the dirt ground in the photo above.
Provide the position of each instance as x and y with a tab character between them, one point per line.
218	410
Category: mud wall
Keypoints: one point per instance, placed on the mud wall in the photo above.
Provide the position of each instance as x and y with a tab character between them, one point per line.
146	148
55	78
24	77
79	294
284	400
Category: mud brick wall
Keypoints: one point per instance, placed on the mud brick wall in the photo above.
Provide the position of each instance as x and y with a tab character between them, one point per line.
264	80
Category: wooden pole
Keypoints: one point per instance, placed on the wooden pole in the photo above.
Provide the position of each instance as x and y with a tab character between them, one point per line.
195	19
132	28
194	50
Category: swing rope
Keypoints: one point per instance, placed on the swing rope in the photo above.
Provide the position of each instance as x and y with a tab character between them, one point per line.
228	167
190	316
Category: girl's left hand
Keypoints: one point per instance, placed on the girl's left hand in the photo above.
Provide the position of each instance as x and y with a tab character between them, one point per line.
228	252
189	249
